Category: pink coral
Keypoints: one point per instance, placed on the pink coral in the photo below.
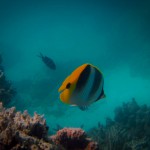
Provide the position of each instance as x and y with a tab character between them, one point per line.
74	139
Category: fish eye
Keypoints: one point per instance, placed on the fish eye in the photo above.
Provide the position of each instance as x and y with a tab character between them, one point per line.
68	85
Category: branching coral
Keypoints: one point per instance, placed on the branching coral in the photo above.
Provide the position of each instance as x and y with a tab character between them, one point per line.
101	131
130	129
20	131
137	144
108	137
135	118
7	92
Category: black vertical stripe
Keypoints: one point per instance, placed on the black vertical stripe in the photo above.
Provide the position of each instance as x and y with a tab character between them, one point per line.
96	83
100	95
82	80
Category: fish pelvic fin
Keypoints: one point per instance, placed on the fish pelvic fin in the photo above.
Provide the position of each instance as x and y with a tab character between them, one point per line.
83	108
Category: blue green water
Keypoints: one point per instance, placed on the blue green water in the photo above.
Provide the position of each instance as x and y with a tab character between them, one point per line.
113	35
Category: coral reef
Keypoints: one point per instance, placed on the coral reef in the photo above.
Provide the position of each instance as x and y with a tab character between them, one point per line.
130	129
19	131
7	92
74	139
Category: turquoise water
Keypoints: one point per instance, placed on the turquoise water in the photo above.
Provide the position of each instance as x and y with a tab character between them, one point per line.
112	35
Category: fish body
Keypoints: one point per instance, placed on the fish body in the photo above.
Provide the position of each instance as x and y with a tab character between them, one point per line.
83	87
48	62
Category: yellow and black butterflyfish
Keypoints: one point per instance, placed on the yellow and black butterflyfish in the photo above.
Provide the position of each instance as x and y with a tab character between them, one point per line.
83	87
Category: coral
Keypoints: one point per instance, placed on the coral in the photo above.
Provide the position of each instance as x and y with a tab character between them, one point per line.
108	138
20	131
7	92
137	144
135	118
128	131
59	127
74	139
99	130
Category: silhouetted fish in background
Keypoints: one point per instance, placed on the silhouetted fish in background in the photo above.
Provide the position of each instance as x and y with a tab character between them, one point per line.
48	61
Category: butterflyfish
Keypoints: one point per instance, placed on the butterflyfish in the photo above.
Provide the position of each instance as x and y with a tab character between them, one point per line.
83	87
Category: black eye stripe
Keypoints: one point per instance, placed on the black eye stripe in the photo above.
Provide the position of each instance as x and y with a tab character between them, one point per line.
68	85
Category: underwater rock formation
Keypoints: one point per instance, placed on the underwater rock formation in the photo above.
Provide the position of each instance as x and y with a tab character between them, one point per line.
130	129
7	92
19	131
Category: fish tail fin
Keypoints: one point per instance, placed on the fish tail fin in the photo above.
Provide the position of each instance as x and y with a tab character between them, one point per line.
40	55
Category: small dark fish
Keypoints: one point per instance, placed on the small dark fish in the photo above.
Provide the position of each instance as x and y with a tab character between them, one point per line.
48	62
